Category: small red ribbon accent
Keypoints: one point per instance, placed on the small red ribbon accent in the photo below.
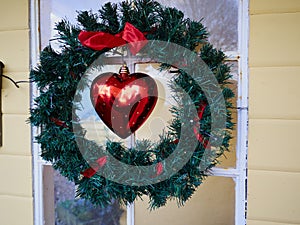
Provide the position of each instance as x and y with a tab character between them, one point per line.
176	141
98	40
196	127
88	173
159	168
93	170
59	122
73	74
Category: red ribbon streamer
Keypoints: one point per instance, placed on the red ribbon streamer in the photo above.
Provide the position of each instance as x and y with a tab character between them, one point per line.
98	40
93	170
159	168
196	127
59	122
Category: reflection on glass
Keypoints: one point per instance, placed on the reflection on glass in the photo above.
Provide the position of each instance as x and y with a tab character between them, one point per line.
219	16
212	204
234	70
160	117
55	10
68	210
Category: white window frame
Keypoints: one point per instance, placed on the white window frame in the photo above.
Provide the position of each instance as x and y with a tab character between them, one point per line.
238	174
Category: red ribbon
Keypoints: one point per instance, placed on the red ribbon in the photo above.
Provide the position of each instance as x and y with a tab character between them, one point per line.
93	170
196	127
98	40
59	122
159	168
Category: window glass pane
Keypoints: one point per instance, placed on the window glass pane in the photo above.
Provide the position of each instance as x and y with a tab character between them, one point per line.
161	116
65	209
55	10
212	204
220	18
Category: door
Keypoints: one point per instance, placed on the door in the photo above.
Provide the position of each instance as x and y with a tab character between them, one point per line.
222	197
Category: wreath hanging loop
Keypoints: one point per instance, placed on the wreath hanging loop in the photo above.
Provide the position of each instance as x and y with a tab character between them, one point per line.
198	85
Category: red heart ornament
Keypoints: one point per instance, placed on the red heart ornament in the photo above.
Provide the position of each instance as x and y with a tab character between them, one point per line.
124	101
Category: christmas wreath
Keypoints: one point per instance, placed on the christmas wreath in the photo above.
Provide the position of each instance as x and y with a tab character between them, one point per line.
113	171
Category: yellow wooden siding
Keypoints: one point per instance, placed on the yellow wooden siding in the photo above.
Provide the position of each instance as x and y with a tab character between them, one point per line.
15	125
20	97
276	39
258	222
275	92
16	210
274	170
274	196
14	48
16	175
274	6
273	145
14	15
16	201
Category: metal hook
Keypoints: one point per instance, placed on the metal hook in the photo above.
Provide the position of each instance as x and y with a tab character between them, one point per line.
1	68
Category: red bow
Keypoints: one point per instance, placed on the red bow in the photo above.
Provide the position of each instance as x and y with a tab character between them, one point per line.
99	40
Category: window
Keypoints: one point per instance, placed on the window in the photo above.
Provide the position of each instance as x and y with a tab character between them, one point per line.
222	198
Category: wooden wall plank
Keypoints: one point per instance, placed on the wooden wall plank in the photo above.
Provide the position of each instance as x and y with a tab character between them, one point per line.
274	196
14	15
16	210
273	145
16	176
274	6
274	92
14	50
274	40
16	135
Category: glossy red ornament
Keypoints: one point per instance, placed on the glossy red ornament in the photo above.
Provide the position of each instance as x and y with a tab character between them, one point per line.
124	101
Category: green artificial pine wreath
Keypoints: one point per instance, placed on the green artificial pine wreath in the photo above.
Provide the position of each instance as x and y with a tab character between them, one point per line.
57	78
